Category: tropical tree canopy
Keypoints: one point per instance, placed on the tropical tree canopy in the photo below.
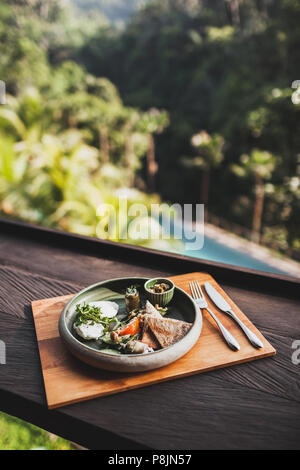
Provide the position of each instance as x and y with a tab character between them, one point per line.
142	95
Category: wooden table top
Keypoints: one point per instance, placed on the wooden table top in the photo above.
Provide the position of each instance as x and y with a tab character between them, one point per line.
250	406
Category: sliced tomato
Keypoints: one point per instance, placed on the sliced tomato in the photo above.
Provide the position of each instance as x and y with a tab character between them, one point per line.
132	328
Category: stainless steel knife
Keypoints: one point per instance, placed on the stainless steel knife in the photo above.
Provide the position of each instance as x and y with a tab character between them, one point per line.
221	303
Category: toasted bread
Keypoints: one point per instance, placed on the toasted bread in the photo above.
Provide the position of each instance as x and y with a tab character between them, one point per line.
167	331
149	339
150	310
147	336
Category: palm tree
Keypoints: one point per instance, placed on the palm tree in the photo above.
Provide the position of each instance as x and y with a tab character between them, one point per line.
234	9
105	109
209	155
24	118
152	122
259	165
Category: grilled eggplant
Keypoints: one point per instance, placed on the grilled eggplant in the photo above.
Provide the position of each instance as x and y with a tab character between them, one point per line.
132	299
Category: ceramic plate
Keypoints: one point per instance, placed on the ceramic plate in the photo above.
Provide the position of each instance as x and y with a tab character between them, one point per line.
181	307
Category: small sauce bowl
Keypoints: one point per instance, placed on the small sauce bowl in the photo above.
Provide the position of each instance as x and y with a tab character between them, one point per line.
160	298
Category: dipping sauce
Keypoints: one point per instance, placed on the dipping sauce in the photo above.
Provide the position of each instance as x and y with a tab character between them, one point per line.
160	288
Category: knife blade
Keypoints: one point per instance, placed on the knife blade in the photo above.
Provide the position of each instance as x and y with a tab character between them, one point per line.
224	306
217	299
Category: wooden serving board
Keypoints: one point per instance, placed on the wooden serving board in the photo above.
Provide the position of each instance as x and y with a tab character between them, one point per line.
68	381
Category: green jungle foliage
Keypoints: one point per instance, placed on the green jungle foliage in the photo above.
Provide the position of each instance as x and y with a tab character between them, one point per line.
225	67
69	147
191	99
18	435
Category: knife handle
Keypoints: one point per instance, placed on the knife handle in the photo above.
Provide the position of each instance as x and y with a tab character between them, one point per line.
230	340
254	340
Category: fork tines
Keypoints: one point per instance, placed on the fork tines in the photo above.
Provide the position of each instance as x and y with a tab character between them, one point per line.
196	290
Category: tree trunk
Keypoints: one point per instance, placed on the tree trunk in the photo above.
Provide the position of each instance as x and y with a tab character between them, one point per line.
262	8
152	166
44	10
258	208
235	12
129	160
104	144
205	186
72	122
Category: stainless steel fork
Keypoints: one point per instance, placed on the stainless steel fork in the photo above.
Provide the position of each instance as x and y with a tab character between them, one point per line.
199	299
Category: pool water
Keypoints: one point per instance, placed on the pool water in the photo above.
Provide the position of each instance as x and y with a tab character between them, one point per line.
215	251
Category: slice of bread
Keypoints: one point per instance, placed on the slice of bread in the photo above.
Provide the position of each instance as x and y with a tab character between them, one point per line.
167	331
149	339
150	310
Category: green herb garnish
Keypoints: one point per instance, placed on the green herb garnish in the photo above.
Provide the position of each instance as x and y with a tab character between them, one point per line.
132	290
86	313
162	310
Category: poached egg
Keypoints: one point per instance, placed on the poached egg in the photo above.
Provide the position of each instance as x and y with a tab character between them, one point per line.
92	330
108	309
89	331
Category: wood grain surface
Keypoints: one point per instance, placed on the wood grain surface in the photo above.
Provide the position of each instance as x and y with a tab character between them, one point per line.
255	405
68	381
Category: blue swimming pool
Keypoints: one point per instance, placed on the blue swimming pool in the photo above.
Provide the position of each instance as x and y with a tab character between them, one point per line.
215	251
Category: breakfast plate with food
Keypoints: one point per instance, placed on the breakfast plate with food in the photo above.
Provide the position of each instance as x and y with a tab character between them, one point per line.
130	324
